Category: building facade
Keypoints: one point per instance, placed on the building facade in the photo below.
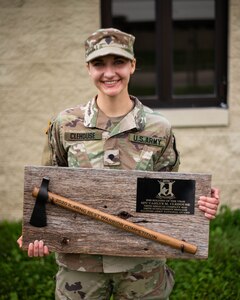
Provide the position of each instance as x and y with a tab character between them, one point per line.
42	72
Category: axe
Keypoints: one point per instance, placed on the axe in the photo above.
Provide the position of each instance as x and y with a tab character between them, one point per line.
43	196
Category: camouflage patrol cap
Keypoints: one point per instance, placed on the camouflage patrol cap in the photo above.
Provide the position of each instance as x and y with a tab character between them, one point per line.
109	41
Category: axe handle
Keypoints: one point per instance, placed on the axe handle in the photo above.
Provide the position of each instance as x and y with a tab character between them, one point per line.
118	222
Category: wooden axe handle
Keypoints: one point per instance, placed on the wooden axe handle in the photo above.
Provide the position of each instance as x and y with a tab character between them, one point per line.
118	222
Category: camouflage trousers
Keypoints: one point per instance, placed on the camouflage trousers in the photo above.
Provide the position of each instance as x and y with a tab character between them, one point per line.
73	285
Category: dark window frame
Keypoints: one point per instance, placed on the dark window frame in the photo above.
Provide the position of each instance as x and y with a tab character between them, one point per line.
164	96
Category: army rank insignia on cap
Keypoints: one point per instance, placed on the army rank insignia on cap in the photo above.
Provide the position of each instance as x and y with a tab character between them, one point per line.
147	140
83	136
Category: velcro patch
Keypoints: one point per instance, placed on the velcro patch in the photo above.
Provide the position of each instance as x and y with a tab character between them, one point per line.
111	157
83	136
147	140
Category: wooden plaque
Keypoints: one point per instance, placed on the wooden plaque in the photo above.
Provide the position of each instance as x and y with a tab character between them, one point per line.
116	192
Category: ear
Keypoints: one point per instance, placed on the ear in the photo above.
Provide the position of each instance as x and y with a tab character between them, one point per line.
88	68
133	66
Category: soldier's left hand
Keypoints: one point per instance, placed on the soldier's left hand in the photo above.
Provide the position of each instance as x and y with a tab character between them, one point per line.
209	205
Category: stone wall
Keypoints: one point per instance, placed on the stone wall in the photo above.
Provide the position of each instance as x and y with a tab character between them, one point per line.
42	71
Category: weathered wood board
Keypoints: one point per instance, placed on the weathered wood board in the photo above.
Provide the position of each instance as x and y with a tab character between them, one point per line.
113	192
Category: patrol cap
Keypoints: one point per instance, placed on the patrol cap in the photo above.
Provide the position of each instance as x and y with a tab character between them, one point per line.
109	41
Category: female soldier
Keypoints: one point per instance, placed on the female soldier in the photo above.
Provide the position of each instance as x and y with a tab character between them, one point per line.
114	131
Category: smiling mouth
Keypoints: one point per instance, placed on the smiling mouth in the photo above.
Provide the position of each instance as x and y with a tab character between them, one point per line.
110	82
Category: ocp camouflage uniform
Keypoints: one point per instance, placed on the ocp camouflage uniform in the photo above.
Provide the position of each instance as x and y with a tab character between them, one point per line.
102	41
85	137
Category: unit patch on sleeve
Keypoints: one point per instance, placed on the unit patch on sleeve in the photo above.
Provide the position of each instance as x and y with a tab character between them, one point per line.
83	136
147	140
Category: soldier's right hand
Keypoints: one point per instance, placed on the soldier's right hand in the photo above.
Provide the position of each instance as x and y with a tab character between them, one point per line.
35	249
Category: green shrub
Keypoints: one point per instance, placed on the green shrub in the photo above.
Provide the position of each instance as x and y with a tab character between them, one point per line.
218	276
22	278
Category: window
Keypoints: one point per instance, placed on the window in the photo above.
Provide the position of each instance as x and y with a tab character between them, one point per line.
181	49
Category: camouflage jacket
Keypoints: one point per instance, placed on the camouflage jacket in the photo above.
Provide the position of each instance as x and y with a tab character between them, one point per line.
85	137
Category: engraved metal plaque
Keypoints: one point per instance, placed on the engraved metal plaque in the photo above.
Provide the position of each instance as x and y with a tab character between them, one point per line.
165	196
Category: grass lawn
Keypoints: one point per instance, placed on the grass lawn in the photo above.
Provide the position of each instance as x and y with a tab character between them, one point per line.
216	278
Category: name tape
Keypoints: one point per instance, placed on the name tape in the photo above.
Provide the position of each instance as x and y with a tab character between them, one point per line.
83	136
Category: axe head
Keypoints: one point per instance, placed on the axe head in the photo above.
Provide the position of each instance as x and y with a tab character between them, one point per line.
39	218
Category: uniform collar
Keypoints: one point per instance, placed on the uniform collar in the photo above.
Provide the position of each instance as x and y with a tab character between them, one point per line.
95	118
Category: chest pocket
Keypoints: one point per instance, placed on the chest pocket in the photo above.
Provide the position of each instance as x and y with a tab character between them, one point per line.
77	156
84	149
149	149
146	158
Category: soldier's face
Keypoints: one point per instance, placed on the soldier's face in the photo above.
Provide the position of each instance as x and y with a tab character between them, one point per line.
111	74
